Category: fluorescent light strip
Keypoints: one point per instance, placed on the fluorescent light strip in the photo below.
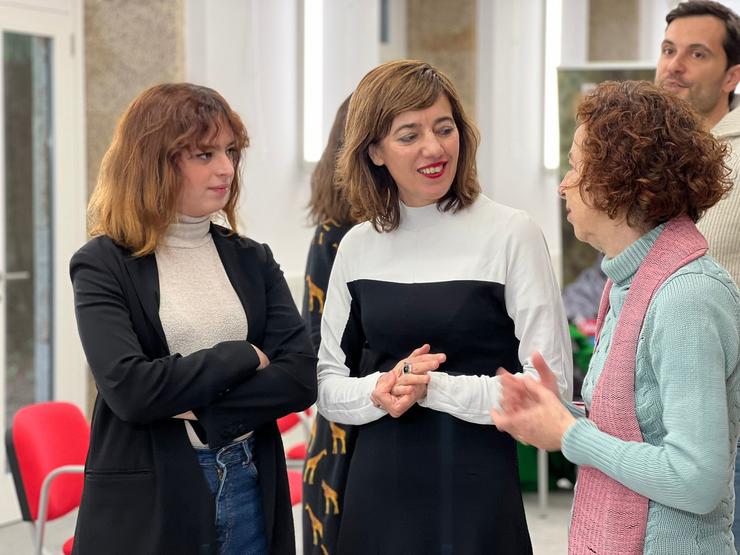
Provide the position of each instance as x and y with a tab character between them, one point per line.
313	74
551	131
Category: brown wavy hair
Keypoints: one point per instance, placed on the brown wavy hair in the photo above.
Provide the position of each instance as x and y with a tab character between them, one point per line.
384	93
646	157
328	201
139	183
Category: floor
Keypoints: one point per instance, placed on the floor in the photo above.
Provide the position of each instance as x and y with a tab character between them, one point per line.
548	529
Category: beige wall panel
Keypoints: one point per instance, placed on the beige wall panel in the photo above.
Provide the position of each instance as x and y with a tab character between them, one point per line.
129	45
613	30
443	33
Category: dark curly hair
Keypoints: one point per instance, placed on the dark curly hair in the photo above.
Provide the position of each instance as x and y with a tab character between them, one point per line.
646	157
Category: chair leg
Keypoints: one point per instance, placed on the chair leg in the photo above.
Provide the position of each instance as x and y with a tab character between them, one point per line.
38	538
36	546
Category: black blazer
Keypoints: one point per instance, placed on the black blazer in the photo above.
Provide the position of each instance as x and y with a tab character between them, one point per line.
144	490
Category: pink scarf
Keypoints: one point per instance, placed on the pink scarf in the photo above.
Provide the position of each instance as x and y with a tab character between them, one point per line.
609	518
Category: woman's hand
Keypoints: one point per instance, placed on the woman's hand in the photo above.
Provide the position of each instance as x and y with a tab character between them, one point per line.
419	363
547	377
531	411
383	399
397	390
513	391
264	361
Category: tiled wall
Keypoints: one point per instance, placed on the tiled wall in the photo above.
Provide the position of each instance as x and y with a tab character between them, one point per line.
443	33
613	30
129	45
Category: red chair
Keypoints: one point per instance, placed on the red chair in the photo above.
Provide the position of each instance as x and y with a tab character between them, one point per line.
295	486
296	454
47	445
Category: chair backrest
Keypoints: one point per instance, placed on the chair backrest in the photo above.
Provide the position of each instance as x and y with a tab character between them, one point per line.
289	421
43	437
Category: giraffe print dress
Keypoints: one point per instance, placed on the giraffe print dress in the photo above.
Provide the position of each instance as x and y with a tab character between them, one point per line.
330	445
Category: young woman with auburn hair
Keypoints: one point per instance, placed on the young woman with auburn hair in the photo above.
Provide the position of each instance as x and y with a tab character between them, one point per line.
193	340
139	183
656	445
436	289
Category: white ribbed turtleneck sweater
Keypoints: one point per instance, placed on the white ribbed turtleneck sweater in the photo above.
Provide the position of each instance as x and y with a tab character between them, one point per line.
198	306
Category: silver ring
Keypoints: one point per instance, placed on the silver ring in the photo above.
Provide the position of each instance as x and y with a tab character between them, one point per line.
406	367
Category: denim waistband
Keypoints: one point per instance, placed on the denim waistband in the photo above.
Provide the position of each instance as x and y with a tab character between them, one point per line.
233	453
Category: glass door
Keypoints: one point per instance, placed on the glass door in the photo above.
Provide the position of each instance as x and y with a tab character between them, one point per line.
26	250
41	216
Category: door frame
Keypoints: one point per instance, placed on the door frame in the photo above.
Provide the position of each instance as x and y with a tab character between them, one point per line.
62	21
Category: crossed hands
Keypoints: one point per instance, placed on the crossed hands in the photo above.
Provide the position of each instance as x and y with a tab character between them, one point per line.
396	391
264	361
531	410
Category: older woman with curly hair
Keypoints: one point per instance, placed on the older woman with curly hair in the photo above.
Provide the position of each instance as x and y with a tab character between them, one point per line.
657	442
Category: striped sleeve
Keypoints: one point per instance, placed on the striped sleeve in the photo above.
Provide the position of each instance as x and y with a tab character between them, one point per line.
343	397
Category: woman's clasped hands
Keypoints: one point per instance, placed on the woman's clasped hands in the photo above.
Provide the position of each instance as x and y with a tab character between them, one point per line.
399	389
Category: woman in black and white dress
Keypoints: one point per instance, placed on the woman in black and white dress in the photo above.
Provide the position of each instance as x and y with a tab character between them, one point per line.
437	289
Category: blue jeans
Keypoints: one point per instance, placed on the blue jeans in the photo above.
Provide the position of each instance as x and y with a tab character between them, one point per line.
232	477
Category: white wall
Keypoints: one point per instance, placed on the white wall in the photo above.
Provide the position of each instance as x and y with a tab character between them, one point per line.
734	5
510	113
249	51
652	26
574	49
351	49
